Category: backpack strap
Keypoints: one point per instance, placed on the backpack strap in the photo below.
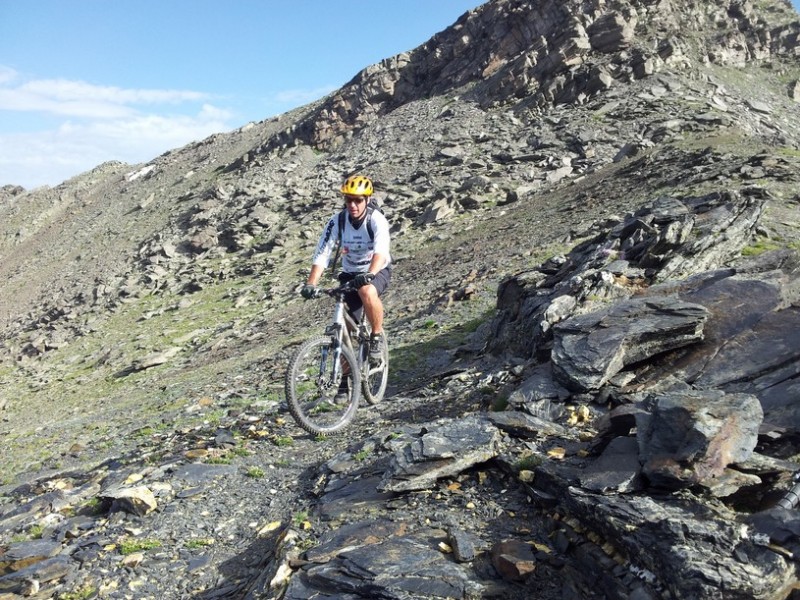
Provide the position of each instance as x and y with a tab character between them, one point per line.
368	217
342	217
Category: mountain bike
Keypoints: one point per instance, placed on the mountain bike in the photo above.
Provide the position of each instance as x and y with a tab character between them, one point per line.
327	375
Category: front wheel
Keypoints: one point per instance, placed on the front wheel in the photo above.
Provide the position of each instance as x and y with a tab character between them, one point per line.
322	400
374	377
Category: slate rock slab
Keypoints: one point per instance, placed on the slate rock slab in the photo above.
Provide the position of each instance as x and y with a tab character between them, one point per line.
352	496
43	571
439	452
616	470
673	543
195	473
692	436
20	555
382	559
523	425
589	349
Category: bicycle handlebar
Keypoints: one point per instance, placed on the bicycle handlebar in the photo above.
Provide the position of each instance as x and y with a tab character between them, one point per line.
345	287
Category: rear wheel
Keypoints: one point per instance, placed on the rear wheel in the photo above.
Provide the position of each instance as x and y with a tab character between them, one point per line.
374	377
312	391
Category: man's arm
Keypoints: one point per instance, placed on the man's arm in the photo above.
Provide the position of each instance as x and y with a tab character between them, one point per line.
324	249
377	263
316	273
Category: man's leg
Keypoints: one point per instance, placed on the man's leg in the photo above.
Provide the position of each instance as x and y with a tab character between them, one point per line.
373	307
370	296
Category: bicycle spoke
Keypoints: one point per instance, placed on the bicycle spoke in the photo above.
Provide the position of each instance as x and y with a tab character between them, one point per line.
312	389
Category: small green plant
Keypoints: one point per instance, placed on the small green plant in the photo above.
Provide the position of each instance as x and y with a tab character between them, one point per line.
199	543
321	437
500	404
598	298
760	246
144	432
129	545
254	472
92	506
82	594
306	544
283	440
240	451
215	417
153	458
528	463
300	518
35	531
218	460
361	455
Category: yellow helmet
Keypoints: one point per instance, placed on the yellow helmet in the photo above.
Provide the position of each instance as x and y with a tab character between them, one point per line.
357	185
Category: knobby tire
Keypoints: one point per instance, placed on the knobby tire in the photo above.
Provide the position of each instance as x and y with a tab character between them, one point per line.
374	378
310	390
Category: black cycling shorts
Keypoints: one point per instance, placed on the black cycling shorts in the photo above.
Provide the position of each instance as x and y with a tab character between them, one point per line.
352	299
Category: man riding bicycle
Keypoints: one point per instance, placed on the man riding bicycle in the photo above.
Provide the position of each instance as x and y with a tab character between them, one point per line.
362	232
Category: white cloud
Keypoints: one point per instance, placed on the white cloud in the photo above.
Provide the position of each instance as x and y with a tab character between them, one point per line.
57	128
7	74
65	90
151	130
23	100
81	99
50	157
103	123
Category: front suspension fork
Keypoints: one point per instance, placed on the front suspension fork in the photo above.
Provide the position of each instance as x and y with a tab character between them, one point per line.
335	332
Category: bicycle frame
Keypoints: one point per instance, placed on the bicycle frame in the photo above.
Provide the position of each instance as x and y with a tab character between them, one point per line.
344	330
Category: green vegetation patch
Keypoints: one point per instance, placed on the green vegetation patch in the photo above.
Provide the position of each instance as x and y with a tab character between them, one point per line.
199	543
361	455
81	594
131	545
759	246
255	472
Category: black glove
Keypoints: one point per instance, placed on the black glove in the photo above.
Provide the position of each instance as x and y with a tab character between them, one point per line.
363	279
309	291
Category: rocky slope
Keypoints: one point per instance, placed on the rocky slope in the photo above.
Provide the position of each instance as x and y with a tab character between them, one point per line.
593	330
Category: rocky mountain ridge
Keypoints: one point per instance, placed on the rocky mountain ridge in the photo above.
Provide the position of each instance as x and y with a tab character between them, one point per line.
552	171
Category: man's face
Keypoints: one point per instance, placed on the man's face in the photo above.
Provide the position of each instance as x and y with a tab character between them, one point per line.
356	205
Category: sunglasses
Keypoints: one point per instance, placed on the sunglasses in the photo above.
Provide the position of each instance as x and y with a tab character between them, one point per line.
354	199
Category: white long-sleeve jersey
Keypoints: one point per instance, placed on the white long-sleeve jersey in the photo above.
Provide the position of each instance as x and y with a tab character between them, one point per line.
357	247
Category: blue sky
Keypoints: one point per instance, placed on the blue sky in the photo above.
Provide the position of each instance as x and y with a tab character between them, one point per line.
86	81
